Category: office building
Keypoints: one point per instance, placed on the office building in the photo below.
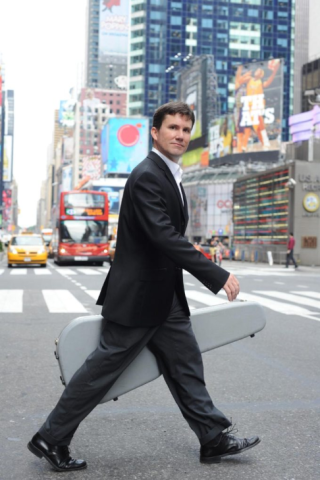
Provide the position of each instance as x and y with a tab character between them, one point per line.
167	33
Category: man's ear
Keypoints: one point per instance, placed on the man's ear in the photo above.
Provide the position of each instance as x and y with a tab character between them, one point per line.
154	133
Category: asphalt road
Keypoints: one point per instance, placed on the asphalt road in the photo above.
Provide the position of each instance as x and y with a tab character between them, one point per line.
269	385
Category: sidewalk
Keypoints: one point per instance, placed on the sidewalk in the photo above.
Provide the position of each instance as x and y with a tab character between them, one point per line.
237	265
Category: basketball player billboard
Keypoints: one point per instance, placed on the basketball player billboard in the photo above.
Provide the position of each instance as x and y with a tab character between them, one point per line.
258	106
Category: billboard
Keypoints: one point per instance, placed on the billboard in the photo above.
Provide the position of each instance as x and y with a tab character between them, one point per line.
66	179
197	87
7	158
256	123
66	113
91	167
114	28
124	144
67	150
90	102
7	202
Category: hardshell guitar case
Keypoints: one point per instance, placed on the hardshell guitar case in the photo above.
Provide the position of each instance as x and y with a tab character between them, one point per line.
213	327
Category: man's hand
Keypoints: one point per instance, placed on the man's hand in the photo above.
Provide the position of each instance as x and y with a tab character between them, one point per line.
232	287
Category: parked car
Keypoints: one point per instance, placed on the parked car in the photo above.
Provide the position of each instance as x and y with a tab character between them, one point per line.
112	250
27	249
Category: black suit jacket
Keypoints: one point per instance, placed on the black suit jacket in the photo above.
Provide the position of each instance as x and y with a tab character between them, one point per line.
152	250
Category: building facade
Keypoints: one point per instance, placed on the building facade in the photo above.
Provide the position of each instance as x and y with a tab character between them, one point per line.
310	92
165	34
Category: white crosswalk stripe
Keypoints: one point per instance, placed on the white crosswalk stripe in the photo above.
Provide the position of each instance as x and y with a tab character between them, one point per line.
289	297
204	298
281	307
41	272
93	293
19	271
88	271
11	301
66	271
62	301
308	294
1	270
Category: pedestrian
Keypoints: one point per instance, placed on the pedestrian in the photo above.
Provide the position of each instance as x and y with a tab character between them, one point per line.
290	247
144	303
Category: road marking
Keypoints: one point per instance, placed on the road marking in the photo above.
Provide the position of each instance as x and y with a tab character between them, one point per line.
186	273
62	301
1	271
277	283
289	297
88	271
204	298
104	270
285	308
302	286
93	293
19	271
308	294
66	271
189	284
11	301
41	272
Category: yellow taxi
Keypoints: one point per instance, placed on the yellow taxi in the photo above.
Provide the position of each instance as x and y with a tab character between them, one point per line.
27	249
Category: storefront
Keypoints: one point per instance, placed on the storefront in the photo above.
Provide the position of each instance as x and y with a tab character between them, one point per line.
268	206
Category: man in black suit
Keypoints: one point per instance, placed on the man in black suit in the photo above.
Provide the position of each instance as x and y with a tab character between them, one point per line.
144	303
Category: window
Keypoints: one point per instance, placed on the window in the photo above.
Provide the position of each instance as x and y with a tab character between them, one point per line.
268	15
222	24
282	42
223	11
174	20
282	28
207	23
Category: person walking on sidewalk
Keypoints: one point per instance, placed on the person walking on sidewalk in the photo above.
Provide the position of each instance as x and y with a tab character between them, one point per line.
290	247
144	303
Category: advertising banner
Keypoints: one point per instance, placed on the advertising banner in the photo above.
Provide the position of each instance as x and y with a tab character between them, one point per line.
66	113
305	125
7	158
254	130
66	179
91	167
124	144
197	87
67	150
258	106
90	103
7	202
114	28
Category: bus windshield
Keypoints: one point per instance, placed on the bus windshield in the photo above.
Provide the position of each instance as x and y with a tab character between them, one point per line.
89	200
84	231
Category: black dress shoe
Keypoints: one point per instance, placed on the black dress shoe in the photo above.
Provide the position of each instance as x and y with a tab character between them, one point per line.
58	457
225	445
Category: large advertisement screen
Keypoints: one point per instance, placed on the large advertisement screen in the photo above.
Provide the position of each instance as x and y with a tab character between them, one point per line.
7	158
114	28
197	88
124	144
66	179
254	130
66	113
91	166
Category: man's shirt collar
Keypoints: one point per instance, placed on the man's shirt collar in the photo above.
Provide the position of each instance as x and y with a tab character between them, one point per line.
173	166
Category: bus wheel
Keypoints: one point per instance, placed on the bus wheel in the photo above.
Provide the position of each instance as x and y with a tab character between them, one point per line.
43	265
9	265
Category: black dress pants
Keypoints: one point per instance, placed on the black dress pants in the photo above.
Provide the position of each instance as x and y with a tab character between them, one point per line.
180	361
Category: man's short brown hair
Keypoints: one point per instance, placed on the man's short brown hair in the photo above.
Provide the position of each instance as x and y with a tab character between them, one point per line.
172	108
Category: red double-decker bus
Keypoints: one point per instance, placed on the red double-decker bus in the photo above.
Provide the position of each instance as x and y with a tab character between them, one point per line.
81	233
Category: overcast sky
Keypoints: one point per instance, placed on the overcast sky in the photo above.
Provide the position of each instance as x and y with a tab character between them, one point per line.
41	43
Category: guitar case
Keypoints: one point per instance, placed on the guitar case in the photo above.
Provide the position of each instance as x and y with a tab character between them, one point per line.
213	327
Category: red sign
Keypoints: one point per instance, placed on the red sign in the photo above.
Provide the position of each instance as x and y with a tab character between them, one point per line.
111	3
224	204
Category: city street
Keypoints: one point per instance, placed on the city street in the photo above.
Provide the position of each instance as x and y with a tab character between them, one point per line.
269	385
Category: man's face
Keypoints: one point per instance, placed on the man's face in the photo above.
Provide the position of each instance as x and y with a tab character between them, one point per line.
173	137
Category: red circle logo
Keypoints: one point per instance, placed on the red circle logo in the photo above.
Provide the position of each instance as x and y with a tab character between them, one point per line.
128	135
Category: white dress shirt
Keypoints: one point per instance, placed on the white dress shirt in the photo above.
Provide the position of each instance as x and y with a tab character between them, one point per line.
174	169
